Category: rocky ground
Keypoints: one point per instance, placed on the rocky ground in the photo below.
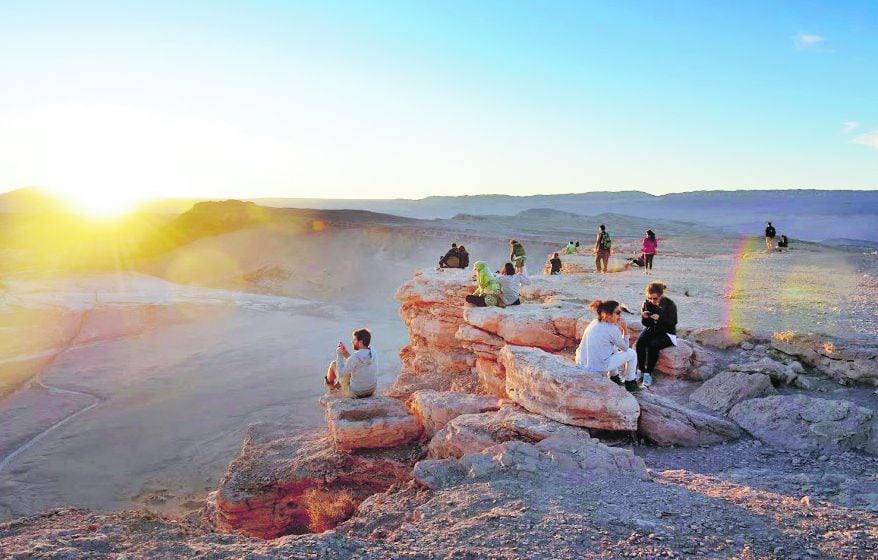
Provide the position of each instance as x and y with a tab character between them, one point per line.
757	443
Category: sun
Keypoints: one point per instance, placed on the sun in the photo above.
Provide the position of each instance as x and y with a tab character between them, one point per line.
103	203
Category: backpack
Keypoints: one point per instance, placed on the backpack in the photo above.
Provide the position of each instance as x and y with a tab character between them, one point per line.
605	240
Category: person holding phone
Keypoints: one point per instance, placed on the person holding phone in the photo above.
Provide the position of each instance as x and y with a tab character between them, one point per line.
354	373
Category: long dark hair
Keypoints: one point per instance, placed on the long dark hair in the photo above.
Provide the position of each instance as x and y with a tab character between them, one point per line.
607	307
650	234
509	269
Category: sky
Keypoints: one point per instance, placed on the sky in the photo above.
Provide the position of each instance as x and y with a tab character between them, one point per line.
385	99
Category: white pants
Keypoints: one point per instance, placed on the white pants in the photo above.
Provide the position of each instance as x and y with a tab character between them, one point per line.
626	360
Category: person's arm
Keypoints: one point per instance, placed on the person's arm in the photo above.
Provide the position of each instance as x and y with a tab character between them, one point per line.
597	242
644	315
668	318
347	367
618	338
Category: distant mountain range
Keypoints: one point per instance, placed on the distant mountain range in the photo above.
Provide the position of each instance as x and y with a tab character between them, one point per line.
812	215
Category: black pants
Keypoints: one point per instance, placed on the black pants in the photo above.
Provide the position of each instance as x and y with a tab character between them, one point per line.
648	345
648	263
478	301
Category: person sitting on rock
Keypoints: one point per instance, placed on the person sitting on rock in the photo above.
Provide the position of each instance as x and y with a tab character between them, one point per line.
517	256
555	264
464	257
604	346
451	258
570	249
659	318
783	243
355	374
487	292
510	285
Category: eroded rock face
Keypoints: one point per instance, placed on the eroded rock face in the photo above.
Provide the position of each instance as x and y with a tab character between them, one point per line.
666	422
370	423
264	492
432	309
804	423
729	388
559	389
843	361
778	371
434	409
492	377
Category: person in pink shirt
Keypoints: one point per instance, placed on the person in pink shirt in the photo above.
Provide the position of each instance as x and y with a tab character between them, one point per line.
650	244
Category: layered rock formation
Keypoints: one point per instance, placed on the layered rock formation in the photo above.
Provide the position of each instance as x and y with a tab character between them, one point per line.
371	423
729	388
841	360
265	492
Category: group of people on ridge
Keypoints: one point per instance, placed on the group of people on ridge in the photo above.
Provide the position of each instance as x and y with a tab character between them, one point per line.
605	346
603	250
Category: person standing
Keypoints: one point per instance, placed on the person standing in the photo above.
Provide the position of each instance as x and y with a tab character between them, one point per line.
648	249
658	315
602	244
510	285
770	234
517	256
604	346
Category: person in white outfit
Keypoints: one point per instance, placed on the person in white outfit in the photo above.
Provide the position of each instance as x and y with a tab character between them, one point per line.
604	346
354	373
510	284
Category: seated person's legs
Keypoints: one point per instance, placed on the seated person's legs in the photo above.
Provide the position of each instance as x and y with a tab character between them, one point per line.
330	379
478	301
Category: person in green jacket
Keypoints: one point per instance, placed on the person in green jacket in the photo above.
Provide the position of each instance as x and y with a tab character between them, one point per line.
487	292
517	256
571	248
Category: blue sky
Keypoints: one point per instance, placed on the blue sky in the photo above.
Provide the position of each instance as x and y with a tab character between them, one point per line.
390	99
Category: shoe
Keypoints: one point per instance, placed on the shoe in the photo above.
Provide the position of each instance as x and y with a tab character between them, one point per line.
616	379
647	379
633	387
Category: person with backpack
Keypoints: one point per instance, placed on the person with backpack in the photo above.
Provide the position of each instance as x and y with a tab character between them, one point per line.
602	245
487	292
770	234
354	373
517	256
648	249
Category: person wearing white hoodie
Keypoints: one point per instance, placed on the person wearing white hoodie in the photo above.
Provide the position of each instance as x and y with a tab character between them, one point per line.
354	373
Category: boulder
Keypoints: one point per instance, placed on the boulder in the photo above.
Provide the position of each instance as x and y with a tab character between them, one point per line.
435	409
727	389
676	361
842	360
470	433
268	490
721	337
559	389
666	422
550	327
778	371
370	423
804	423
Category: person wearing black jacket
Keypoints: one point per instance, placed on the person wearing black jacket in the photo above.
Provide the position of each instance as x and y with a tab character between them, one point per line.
770	234
659	318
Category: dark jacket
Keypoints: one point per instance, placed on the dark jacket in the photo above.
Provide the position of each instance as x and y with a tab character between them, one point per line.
464	258
667	312
556	266
770	231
